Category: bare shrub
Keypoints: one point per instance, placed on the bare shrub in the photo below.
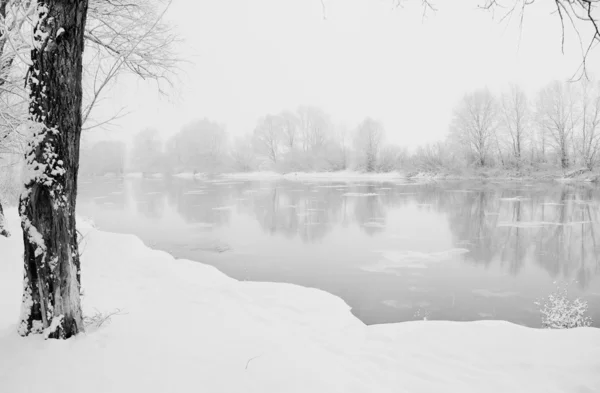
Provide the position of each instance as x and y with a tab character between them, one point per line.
559	312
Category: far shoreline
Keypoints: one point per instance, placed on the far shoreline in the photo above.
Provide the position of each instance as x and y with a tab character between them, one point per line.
572	176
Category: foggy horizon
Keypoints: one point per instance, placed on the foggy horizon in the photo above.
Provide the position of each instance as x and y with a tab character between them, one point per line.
351	59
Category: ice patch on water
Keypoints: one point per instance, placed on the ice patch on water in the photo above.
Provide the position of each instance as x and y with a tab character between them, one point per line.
194	192
373	224
359	194
418	290
398	305
539	224
202	225
392	261
490	294
515	199
224	207
399	237
524	224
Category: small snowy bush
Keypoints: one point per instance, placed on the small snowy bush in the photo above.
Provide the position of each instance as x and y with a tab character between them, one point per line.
558	312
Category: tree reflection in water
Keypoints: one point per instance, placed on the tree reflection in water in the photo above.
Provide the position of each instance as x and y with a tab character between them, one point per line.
552	226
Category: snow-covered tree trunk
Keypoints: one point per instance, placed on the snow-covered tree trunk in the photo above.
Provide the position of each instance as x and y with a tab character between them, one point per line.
3	231
51	293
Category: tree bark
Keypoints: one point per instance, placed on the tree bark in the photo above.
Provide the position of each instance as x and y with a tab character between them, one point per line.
3	231
51	293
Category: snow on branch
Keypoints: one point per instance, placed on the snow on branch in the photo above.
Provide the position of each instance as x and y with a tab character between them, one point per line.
128	36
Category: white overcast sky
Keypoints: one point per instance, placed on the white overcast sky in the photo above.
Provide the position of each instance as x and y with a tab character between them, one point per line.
368	58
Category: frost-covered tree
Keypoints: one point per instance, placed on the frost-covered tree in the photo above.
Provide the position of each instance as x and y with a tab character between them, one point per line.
126	37
315	128
368	143
474	124
51	291
242	154
588	132
199	146
289	127
3	231
339	148
515	119
556	117
391	158
122	36
268	137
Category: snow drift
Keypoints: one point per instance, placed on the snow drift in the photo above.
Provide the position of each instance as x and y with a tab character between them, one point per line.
186	327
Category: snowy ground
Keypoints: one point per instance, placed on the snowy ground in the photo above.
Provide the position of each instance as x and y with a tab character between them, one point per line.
185	327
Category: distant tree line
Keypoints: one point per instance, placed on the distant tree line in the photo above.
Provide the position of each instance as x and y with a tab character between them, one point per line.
303	140
558	128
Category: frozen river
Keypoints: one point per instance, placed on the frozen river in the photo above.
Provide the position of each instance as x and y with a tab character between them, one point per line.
392	251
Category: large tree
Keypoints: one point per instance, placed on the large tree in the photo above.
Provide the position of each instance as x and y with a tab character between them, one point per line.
368	141
315	128
515	120
51	293
121	37
588	136
474	124
268	136
3	231
557	118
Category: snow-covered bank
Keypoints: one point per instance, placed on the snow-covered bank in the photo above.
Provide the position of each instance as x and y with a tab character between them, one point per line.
140	175
190	175
319	176
497	174
186	327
